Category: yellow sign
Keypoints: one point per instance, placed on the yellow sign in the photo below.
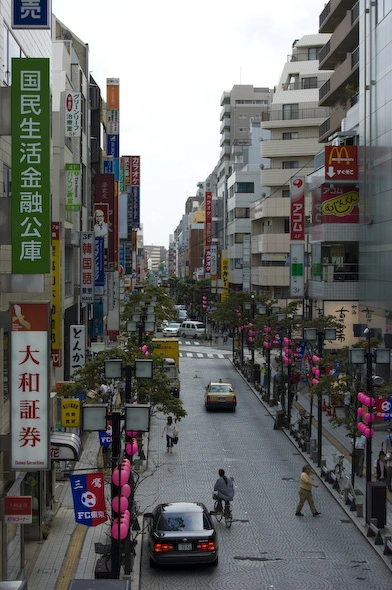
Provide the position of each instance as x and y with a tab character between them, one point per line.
341	205
70	413
225	277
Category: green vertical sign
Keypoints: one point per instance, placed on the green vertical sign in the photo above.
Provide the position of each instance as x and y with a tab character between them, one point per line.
31	170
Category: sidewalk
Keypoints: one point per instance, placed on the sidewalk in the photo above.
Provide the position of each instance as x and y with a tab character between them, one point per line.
335	441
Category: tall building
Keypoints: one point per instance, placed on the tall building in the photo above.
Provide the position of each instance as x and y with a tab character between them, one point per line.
293	122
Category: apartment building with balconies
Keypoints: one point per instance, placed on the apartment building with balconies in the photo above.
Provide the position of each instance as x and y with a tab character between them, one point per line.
293	121
340	18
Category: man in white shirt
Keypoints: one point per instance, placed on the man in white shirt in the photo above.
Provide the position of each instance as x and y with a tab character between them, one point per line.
347	403
359	454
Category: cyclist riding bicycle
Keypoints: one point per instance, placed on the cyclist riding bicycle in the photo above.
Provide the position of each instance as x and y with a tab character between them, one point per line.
224	490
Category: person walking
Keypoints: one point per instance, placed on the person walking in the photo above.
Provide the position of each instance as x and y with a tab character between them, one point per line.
359	454
305	491
169	429
347	403
388	441
388	463
380	468
224	488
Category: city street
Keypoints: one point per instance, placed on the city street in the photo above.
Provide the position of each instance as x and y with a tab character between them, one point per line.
267	545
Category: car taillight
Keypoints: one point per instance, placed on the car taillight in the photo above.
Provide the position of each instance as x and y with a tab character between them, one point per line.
208	398
206	546
163	547
235	399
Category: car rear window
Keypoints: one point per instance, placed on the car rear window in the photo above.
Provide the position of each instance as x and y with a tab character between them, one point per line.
192	521
221	388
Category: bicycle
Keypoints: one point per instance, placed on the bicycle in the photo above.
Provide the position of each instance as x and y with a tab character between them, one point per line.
225	513
339	467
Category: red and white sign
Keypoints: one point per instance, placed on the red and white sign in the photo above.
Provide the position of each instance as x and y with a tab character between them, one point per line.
135	170
18	509
30	359
341	162
297	212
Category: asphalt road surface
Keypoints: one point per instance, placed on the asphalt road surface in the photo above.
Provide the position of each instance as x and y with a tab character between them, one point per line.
267	545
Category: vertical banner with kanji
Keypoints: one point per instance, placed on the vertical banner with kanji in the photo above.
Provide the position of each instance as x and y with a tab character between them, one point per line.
31	165
29	358
297	209
57	310
77	347
88	492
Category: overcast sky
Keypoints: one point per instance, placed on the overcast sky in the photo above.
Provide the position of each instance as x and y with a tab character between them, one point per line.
174	60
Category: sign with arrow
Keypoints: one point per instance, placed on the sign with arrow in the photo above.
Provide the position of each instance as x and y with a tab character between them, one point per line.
341	162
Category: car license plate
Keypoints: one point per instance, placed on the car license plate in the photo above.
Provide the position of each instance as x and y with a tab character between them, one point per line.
184	546
221	398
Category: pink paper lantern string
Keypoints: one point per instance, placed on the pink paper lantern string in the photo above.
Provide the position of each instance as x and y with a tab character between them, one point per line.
360	412
120	476
131	448
125	490
120	531
369	418
315	381
316	359
131	433
119	504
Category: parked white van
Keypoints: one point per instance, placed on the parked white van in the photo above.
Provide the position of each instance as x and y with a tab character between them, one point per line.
190	329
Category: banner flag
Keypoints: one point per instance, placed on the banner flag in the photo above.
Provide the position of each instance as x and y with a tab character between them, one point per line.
88	492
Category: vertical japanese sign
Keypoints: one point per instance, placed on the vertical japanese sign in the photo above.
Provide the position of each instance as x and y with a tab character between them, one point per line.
56	318
73	114
31	14
104	195
31	171
297	270
297	210
207	261
225	275
29	356
214	261
70	413
87	267
208	240
77	348
134	199
18	509
73	187
99	272
88	492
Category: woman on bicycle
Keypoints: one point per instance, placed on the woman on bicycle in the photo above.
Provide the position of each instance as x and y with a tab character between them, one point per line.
224	489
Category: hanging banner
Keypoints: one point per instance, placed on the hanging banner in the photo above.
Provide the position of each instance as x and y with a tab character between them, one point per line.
31	166
297	208
87	267
31	15
297	270
77	348
208	240
383	409
29	359
73	187
73	114
56	312
88	492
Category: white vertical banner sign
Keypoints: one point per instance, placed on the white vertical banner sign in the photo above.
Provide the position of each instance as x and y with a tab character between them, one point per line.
30	359
77	348
73	103
113	296
214	261
297	270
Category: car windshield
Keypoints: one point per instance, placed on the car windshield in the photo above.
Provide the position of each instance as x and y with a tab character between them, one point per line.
175	326
221	387
190	521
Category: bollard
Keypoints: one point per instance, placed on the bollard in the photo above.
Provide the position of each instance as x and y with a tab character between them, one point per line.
360	510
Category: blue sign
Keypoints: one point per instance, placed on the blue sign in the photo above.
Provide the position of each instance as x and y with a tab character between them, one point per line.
113	145
99	259
105	439
108	166
31	15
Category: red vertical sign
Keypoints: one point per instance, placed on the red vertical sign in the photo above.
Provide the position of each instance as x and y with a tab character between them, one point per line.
208	240
297	210
104	194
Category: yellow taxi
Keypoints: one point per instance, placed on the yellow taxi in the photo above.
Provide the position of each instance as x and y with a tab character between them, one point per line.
220	395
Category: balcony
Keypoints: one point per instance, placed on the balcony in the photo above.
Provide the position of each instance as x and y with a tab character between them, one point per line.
225	138
346	74
296	118
279	148
344	39
225	125
333	13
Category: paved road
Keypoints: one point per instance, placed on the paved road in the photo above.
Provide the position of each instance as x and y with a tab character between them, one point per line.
267	546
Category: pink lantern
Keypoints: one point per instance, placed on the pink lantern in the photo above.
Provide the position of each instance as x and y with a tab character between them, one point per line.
119	504
267	329
126	464
316	359
131	448
314	369
360	412
361	427
147	353
120	531
126	515
369	418
144	348
315	381
131	433
317	372
361	396
120	477
125	490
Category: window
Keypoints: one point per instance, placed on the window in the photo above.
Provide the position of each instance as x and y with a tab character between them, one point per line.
313	52
6	181
287	225
245	187
242	213
289	164
290	111
290	135
239	238
11	49
286	193
309	82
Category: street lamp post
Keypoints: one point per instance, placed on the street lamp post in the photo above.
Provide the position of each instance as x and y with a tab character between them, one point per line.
137	418
251	306
319	337
267	310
